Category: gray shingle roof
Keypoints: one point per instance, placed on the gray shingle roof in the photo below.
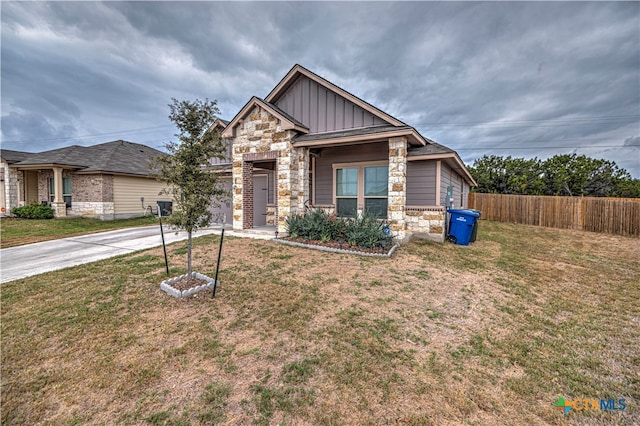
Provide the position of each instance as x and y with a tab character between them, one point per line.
11	156
120	157
430	148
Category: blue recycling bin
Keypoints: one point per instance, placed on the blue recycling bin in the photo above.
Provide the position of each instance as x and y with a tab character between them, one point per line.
461	225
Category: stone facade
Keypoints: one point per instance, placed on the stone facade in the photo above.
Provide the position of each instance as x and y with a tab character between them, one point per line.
101	210
272	215
426	222
14	195
397	191
260	138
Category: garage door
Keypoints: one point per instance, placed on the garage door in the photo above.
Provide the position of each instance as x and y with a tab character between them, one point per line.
224	212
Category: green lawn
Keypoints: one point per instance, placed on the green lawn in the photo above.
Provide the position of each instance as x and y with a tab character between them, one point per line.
489	334
16	232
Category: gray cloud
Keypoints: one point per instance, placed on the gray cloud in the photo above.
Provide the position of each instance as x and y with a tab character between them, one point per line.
522	79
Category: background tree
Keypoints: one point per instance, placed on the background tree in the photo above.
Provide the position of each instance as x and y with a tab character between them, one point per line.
578	175
184	168
566	175
628	189
508	175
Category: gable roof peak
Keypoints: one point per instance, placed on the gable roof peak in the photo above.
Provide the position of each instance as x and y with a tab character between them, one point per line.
298	70
287	121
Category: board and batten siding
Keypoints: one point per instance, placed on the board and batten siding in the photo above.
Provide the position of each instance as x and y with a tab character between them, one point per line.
228	144
321	110
323	173
127	191
421	183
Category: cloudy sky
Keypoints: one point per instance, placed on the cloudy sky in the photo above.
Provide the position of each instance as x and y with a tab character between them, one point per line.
505	78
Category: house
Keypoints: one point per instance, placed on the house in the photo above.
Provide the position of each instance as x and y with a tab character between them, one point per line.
311	143
106	181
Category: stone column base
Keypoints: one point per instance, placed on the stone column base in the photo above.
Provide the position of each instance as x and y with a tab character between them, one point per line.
59	209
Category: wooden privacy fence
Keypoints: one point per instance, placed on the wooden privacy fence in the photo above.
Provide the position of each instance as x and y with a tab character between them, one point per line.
619	216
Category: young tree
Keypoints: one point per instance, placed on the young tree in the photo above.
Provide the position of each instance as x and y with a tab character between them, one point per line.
190	184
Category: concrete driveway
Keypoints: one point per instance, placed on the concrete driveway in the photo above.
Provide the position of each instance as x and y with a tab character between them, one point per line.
33	259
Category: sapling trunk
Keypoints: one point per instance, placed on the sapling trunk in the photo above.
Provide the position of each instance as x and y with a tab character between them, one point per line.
189	254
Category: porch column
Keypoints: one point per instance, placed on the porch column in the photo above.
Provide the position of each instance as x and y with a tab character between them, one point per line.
397	190
303	178
58	204
236	189
286	176
289	195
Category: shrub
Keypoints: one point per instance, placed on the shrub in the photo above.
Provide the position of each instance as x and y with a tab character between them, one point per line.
33	211
295	225
365	231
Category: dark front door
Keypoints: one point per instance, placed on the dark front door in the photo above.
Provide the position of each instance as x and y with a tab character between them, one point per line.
260	195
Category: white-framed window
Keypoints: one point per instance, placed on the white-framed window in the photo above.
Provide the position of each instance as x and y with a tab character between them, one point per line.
347	191
361	186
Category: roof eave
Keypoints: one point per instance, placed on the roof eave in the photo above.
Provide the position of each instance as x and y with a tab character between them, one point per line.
37	166
411	135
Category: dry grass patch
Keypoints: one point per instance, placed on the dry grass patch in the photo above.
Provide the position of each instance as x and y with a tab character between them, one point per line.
439	334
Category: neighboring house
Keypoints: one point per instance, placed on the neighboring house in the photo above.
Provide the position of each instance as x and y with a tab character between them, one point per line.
105	181
311	143
222	209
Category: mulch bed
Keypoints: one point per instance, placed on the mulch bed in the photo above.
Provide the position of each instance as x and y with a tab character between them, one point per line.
337	245
187	283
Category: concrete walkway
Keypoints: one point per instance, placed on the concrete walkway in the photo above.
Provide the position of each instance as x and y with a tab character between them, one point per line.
33	259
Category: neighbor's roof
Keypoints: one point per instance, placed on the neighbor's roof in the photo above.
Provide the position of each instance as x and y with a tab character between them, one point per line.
118	157
11	156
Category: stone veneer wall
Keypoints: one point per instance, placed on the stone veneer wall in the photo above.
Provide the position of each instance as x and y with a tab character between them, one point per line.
397	192
272	215
101	210
261	138
12	186
428	222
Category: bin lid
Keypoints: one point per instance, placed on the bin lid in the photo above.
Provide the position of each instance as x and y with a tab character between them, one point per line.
464	212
